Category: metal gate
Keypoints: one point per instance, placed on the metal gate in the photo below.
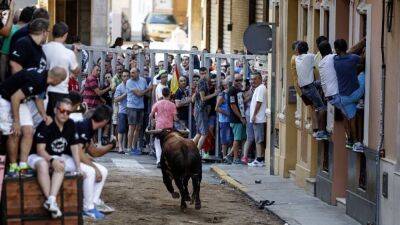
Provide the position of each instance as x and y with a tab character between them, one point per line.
99	55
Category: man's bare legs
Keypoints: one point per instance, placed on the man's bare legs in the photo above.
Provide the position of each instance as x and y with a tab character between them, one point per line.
131	133
26	143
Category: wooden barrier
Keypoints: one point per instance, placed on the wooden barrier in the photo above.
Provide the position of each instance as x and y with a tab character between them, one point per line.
22	202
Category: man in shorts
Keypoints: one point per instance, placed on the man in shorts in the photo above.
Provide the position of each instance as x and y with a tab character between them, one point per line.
120	98
22	86
237	117
56	148
258	119
136	88
200	99
311	96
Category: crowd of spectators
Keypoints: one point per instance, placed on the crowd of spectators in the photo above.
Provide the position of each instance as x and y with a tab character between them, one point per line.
42	122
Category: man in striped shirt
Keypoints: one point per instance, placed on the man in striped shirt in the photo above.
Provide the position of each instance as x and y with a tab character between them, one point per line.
91	91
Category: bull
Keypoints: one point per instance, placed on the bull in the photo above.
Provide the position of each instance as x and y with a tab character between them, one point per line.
180	161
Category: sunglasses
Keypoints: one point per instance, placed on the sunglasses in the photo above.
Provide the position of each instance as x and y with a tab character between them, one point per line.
239	80
64	111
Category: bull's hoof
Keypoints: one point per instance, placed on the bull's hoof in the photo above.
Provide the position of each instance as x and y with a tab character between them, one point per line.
197	205
183	207
175	195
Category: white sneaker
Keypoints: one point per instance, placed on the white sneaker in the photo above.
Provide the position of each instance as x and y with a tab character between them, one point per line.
256	163
52	207
102	207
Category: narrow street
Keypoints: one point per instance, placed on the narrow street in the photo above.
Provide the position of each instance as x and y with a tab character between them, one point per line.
134	187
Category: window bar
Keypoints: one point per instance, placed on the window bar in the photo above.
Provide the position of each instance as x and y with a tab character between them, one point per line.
216	135
191	68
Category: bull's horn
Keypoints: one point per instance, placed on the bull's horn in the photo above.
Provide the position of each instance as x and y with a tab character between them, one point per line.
153	131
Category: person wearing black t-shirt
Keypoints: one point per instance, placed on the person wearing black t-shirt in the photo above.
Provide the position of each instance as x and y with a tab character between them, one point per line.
24	31
182	101
96	174
56	147
24	85
237	117
28	52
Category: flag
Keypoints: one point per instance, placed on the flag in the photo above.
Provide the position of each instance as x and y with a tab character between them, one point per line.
175	80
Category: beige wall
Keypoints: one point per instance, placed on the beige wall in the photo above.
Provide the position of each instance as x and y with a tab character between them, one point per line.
240	21
180	10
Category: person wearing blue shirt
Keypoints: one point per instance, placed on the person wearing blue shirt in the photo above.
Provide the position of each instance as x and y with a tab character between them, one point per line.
349	87
136	88
120	98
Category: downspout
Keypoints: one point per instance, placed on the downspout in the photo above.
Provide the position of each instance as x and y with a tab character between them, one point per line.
381	148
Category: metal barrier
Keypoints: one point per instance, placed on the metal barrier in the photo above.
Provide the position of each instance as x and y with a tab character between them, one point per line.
99	55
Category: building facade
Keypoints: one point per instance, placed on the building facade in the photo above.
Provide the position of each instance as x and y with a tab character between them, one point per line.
367	183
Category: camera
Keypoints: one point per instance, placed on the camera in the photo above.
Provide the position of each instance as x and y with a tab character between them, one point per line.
4	5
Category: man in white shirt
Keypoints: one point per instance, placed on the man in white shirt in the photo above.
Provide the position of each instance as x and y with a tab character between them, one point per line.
310	95
328	78
258	106
58	55
163	77
327	70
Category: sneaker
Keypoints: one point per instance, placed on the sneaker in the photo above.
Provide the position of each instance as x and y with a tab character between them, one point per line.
135	152
52	207
103	208
245	160
256	163
322	135
26	171
314	134
121	152
94	214
349	144
358	147
13	171
227	160
206	155
237	161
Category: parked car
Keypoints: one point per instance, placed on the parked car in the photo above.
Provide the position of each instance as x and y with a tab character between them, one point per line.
158	26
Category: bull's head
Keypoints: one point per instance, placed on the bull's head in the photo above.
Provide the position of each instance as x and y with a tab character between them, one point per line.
164	134
160	133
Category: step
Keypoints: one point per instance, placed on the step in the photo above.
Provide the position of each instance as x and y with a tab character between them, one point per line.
292	175
341	203
310	186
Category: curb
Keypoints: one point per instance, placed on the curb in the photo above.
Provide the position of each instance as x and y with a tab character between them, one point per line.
225	176
238	186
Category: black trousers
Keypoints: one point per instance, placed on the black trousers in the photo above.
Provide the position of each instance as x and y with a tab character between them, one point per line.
53	98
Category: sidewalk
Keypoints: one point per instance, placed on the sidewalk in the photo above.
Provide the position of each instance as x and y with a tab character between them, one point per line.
292	204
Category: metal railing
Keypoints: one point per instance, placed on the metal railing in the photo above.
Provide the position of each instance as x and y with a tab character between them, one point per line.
98	55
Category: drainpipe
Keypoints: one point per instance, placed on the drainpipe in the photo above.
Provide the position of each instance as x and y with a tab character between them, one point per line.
381	148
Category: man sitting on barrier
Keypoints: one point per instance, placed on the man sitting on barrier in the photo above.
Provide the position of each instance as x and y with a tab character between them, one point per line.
56	148
95	174
21	86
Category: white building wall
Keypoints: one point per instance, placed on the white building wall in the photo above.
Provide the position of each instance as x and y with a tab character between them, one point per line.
139	10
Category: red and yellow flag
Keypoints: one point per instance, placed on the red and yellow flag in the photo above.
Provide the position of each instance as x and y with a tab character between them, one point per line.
175	80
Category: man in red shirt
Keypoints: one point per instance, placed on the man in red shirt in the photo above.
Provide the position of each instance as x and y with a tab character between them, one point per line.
91	91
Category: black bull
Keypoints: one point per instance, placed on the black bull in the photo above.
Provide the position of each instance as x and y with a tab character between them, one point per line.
181	161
